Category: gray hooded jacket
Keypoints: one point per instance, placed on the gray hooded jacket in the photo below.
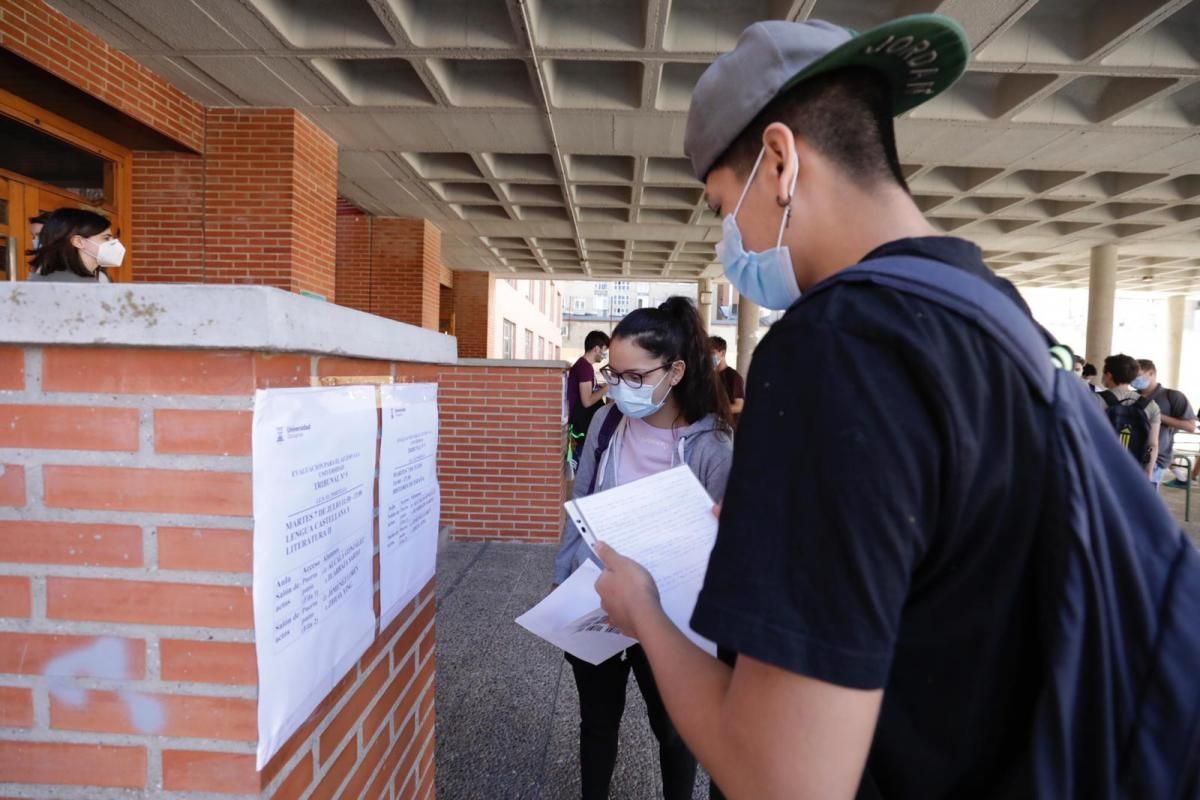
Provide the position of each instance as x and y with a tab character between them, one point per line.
708	451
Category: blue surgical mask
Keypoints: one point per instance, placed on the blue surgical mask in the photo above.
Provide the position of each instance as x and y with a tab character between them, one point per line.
637	403
1141	382
716	361
765	277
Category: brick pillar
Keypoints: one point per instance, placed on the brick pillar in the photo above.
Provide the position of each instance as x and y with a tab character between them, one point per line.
270	198
474	293
405	270
257	207
353	260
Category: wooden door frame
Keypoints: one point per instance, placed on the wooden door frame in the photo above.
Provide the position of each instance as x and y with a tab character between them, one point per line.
120	157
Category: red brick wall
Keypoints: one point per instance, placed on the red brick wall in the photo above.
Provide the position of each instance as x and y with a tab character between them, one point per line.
43	36
257	207
474	296
405	270
353	261
168	217
125	530
500	450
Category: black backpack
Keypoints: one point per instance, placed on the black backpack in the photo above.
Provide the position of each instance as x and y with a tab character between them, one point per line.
1130	422
1117	582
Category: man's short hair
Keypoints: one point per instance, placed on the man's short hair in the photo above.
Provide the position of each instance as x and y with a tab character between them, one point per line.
595	339
1089	370
846	115
1147	365
1123	368
718	343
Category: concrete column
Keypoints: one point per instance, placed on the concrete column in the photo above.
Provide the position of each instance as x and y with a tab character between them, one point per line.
704	286
1102	293
1176	310
747	333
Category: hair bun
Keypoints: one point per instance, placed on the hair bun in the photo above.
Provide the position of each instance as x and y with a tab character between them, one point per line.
677	306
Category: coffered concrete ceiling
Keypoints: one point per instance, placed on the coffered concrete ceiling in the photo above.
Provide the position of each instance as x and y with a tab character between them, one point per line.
545	137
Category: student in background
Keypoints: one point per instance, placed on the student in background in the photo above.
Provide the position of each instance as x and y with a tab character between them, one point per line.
1177	415
76	246
735	387
585	396
35	227
1136	419
669	411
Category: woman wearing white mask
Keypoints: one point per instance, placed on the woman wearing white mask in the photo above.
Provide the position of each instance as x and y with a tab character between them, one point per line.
75	246
669	410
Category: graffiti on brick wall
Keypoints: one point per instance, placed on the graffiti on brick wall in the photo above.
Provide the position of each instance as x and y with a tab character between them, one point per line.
105	659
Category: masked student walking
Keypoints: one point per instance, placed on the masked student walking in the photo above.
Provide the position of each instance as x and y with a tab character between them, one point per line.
668	411
1000	607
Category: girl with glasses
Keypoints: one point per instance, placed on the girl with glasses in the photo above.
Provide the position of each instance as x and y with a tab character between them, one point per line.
669	410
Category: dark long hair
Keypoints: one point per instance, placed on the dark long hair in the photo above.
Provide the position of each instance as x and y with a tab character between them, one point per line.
56	252
675	332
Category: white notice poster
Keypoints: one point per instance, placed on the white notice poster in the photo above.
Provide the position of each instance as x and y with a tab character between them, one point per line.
314	467
409	500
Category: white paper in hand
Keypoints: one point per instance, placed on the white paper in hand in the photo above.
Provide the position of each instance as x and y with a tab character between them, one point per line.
665	523
570	617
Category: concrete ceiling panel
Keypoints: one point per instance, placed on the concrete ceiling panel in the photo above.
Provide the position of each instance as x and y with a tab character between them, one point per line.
253	80
594	84
443	166
522	166
675	87
600	169
1171	44
458	24
602	214
534	193
712	26
984	95
1179	109
465	192
1093	99
602	194
671	196
484	83
588	24
324	24
1067	31
375	81
192	80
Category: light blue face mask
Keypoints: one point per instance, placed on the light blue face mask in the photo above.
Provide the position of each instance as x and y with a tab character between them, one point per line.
639	402
1141	382
716	360
765	277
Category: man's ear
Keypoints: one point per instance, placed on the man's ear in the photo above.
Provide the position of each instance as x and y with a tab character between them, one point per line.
780	160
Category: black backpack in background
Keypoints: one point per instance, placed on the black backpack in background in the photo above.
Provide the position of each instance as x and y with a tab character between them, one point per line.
1130	422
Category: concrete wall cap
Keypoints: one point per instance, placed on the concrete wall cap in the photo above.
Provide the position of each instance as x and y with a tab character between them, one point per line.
528	363
210	317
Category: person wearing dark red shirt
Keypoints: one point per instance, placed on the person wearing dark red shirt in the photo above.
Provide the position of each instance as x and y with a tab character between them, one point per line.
585	396
735	387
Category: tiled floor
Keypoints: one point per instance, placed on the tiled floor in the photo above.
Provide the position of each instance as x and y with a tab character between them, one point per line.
507	707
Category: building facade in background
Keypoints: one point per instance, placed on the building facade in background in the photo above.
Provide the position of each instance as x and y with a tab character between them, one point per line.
526	318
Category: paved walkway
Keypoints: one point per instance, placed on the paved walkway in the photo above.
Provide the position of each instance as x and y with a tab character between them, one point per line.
507	707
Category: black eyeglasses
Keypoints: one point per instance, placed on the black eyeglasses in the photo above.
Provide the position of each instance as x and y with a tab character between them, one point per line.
633	380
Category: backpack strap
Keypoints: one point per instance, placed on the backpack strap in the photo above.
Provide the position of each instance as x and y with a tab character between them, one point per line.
1142	403
970	296
1110	399
603	438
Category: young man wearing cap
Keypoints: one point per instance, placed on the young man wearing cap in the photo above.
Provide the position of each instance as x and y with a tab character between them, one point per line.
885	631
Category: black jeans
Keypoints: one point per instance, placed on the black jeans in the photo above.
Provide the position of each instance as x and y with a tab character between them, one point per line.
601	704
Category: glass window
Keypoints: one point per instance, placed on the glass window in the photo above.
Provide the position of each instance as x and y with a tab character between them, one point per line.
622	286
541	351
600	304
557	353
621	304
510	333
578	305
529	344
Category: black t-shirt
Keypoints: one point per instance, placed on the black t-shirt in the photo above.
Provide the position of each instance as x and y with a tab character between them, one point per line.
878	523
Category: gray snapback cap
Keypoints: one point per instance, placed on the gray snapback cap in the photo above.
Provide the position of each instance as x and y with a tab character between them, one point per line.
919	56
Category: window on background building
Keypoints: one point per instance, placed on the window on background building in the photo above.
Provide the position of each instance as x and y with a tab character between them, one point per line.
511	282
557	353
600	304
643	287
622	286
509	340
541	351
643	300
621	305
578	305
529	291
601	286
529	344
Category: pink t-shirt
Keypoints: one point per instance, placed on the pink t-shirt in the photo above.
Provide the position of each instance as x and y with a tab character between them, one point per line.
645	450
